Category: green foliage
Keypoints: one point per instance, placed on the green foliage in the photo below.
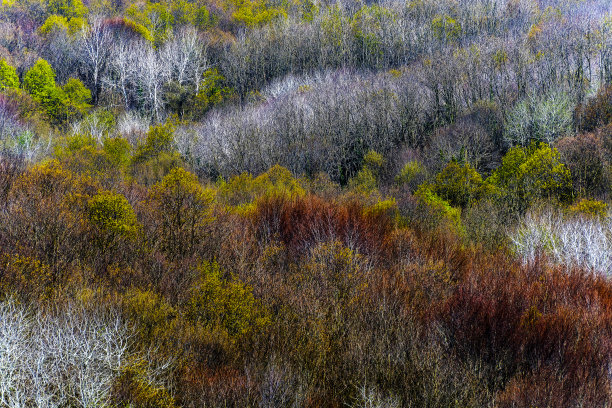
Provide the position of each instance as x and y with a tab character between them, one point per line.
412	175
211	91
83	155
156	156
67	8
76	24
46	179
73	144
373	160
254	13
60	103
39	81
186	12
459	184
156	18
54	23
544	174
387	206
140	29
151	313
227	304
111	213
117	150
8	76
57	24
366	180
77	98
528	174
160	139
440	210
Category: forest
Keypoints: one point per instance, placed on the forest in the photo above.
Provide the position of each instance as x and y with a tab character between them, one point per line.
305	203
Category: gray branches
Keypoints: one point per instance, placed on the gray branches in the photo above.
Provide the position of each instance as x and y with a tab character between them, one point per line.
69	358
575	241
313	124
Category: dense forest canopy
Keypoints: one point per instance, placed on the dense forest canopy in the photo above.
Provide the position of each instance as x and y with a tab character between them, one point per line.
301	203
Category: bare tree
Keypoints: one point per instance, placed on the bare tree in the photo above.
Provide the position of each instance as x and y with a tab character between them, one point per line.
95	50
68	357
574	241
186	54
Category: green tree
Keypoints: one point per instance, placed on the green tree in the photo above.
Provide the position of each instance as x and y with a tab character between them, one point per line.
111	214
437	211
211	92
528	174
60	103
156	17
67	8
8	76
154	158
77	98
54	23
227	304
366	180
459	184
253	13
160	139
113	227
39	81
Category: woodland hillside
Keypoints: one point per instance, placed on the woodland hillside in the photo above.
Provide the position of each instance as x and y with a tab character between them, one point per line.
306	203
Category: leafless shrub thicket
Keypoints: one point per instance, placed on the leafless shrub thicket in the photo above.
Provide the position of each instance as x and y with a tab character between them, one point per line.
67	358
327	125
575	241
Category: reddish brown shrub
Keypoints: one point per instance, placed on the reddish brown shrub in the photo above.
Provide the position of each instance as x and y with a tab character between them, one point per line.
548	388
525	318
596	112
301	222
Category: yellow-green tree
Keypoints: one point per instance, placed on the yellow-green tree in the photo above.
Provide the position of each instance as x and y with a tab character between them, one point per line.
8	76
156	156
39	81
60	103
224	304
460	184
76	99
531	173
67	8
182	207
112	219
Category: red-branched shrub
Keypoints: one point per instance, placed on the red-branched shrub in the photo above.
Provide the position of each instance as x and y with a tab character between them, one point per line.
525	318
301	222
